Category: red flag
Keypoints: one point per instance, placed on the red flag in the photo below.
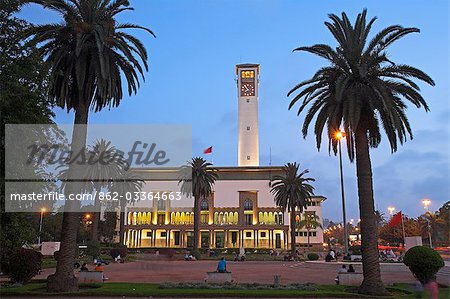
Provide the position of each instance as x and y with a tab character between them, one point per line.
208	150
396	220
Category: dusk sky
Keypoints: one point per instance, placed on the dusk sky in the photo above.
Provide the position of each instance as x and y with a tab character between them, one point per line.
192	81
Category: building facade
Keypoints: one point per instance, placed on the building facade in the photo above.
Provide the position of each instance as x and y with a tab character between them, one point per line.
240	213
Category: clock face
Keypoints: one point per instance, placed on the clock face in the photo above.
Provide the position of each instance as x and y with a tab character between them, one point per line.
247	89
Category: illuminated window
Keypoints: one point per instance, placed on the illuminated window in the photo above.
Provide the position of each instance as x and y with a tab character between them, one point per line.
247	74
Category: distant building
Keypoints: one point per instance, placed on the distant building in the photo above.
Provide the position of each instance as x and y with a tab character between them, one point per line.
240	213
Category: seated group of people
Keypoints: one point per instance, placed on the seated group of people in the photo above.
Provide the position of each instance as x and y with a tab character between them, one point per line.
98	267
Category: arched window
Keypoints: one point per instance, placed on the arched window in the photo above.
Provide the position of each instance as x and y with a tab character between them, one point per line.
134	219
204	205
216	218
260	218
236	218
248	204
129	218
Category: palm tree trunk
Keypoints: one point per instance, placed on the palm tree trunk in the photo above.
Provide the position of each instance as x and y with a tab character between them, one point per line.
372	283
122	225
64	280
196	222
96	218
293	226
308	239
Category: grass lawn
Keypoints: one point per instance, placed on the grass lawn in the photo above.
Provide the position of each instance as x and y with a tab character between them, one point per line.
145	290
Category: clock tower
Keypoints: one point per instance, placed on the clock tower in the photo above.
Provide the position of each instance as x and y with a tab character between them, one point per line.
248	88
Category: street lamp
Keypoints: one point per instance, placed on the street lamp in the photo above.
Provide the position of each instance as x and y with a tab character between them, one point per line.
391	210
43	210
339	135
426	203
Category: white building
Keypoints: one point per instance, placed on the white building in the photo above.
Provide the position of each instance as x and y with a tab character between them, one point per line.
240	213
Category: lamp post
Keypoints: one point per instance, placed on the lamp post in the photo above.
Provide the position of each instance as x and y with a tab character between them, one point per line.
426	202
43	210
339	135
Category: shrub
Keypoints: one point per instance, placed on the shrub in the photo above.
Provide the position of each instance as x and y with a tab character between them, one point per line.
313	256
423	262
93	248
121	250
23	265
196	253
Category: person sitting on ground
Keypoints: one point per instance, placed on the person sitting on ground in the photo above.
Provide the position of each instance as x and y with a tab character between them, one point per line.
222	266
333	254
99	268
351	269
84	267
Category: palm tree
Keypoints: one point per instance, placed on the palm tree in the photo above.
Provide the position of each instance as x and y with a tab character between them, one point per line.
365	92
128	184
89	53
292	193
102	174
197	179
309	222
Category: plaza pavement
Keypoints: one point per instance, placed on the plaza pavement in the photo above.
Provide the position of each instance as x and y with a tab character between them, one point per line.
161	271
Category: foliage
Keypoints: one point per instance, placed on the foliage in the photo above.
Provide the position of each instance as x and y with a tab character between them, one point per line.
22	265
93	248
108	226
313	256
423	262
292	191
197	178
23	75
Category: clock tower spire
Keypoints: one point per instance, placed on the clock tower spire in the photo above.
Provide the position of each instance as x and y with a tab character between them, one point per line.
248	89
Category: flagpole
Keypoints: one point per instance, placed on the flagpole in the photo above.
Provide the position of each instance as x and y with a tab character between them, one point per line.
403	229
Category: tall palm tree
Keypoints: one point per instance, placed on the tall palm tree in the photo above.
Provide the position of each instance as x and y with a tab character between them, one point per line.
128	184
110	167
89	53
197	179
292	192
309	222
364	92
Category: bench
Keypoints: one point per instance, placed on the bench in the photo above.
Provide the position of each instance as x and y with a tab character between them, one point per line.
350	278
443	276
90	276
218	277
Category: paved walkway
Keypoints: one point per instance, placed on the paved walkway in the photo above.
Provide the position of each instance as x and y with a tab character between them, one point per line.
242	272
